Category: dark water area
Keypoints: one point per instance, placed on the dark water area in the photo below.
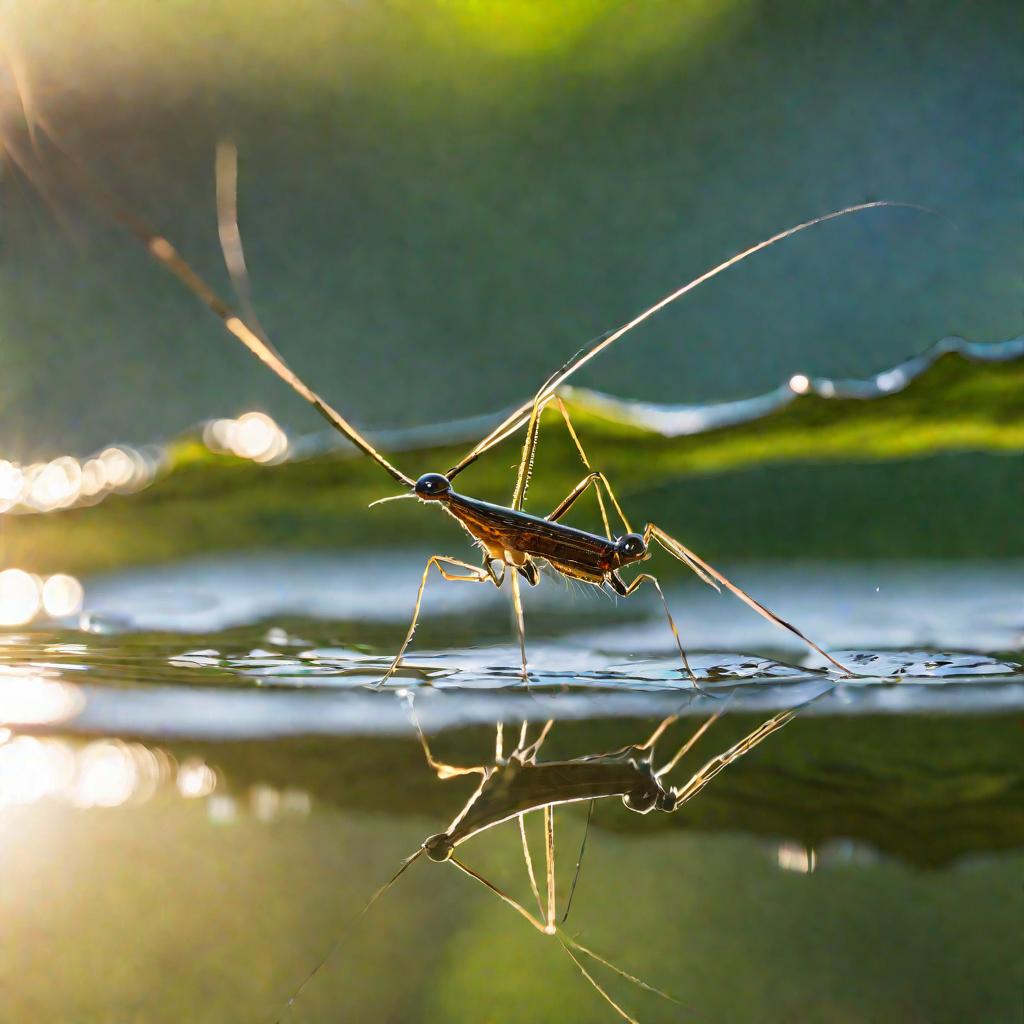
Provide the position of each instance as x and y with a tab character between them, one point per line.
200	789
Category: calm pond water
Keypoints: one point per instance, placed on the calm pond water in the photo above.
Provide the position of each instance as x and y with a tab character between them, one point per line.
200	791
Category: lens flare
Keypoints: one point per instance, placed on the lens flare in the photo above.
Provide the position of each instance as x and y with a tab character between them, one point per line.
31	769
118	465
196	779
254	435
106	775
62	596
12	484
20	597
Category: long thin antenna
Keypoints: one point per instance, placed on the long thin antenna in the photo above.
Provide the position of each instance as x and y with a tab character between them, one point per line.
520	416
226	177
337	942
579	862
164	252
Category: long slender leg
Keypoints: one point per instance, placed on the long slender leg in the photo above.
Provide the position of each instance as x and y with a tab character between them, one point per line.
594	479
687	746
503	896
523	727
573	496
586	462
624	590
444	771
529	862
529	453
708	573
529	754
566	942
658	733
701	778
549	857
597	479
517	607
475	575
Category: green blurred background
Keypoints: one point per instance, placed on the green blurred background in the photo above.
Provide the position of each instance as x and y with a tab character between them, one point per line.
442	200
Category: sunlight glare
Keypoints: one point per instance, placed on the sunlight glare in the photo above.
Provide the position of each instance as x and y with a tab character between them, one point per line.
107	775
12	484
94	477
119	467
32	700
31	769
20	597
254	435
62	596
196	779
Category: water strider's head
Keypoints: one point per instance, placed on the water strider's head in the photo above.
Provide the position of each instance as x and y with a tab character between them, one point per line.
630	548
432	487
649	796
668	801
439	848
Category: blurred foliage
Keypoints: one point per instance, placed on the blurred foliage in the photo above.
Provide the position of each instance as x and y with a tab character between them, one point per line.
441	198
207	503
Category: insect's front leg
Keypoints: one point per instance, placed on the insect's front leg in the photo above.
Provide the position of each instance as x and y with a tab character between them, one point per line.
623	589
442	769
713	577
473	574
497	578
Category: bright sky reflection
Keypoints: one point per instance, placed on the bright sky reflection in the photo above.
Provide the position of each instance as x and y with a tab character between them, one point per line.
27	699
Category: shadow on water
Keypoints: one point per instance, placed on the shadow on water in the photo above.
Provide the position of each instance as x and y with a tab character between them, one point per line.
196	818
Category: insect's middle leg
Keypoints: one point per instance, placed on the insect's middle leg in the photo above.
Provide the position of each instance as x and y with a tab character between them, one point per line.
474	574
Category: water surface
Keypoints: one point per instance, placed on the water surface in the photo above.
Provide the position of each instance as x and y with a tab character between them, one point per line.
200	789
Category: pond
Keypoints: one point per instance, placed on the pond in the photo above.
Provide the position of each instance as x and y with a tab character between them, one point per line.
201	789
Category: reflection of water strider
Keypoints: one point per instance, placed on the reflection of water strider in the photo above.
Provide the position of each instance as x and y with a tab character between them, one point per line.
507	535
520	784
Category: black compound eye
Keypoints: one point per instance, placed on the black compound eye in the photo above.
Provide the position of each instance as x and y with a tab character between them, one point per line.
432	484
632	545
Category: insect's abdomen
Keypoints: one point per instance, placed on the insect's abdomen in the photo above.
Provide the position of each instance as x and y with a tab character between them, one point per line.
505	528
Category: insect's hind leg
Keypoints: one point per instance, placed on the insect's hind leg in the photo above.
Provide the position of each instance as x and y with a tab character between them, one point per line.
594	478
624	590
475	574
713	577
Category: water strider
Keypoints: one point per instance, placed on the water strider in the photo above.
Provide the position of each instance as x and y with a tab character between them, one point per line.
519	784
514	543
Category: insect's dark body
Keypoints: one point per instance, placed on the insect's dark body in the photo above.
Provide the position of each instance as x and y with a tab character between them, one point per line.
517	538
504	528
518	787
